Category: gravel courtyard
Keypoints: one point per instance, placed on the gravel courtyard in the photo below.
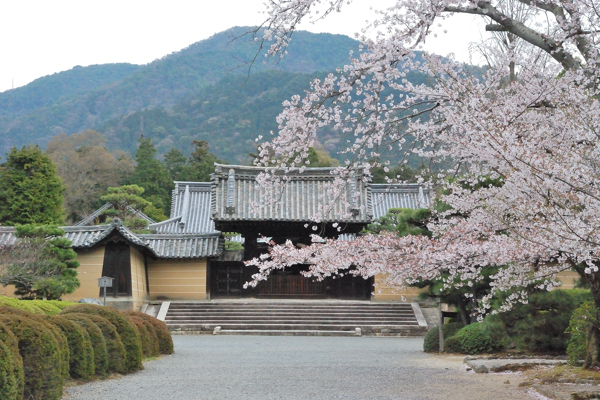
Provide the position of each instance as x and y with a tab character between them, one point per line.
300	367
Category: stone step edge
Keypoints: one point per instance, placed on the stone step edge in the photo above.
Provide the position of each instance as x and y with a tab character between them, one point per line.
351	326
275	332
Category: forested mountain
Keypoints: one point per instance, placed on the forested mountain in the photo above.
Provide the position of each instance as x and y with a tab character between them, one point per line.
87	97
204	92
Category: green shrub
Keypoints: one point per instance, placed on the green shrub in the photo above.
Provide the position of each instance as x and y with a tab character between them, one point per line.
127	332
97	340
452	345
47	307
61	304
81	360
41	353
63	346
165	341
539	326
11	366
147	336
582	320
25	305
115	348
473	339
431	342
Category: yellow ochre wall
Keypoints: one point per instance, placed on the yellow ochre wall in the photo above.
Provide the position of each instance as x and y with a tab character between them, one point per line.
178	279
88	272
138	275
382	293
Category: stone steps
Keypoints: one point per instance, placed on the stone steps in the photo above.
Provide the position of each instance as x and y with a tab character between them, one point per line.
296	318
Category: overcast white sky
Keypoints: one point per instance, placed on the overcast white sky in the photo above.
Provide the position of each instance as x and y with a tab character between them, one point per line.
41	37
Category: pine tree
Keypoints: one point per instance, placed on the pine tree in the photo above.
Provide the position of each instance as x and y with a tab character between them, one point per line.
30	190
41	264
152	175
202	161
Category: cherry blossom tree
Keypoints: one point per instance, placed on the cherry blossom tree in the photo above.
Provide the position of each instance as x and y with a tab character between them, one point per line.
537	133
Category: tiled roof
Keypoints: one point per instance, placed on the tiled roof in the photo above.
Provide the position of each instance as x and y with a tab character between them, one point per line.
7	236
185	246
160	246
190	210
386	196
92	217
83	237
235	195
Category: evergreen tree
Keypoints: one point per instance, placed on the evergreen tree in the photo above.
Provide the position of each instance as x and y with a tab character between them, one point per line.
125	201
202	161
30	190
152	175
177	164
41	264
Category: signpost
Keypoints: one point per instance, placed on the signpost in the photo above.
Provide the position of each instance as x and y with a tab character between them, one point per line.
105	282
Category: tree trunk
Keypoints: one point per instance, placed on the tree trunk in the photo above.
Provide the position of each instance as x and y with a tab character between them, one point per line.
592	357
464	314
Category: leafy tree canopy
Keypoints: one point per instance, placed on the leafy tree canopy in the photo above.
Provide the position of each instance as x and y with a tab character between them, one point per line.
31	192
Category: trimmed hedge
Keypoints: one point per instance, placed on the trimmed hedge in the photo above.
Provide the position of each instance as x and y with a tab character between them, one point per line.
63	345
81	360
114	346
165	341
472	339
127	332
11	366
431	343
97	341
47	307
148	337
42	356
24	305
61	304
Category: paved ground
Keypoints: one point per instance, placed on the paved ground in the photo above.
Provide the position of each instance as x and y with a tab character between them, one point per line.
284	367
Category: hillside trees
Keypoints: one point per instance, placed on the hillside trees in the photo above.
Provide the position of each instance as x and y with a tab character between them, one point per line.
536	134
88	169
31	192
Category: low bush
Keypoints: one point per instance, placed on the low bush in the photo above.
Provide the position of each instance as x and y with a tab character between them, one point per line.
25	305
97	340
473	339
47	307
61	304
581	322
539	326
114	345
127	332
148	337
81	359
11	366
165	341
41	354
63	345
452	345
431	341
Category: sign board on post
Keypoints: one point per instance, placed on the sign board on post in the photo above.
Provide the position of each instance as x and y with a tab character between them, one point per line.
105	282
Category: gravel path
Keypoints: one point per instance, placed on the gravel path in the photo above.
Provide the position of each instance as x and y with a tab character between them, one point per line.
288	367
